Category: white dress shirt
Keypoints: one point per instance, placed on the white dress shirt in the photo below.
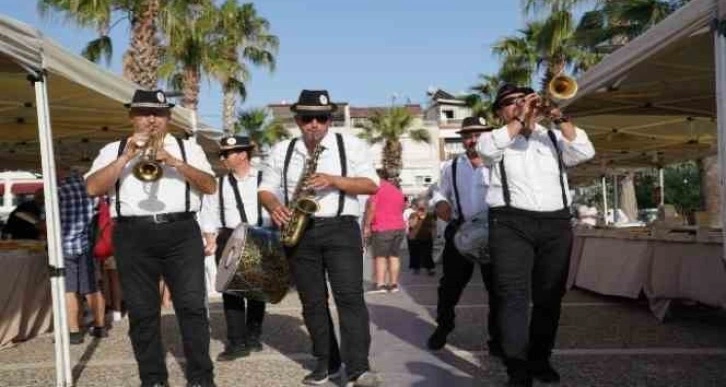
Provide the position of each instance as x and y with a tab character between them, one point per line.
359	160
531	166
209	217
167	194
472	184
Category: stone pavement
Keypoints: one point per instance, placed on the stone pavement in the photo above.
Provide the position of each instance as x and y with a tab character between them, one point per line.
603	341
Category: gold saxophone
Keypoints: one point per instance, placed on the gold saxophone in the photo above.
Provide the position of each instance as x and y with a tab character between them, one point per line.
303	202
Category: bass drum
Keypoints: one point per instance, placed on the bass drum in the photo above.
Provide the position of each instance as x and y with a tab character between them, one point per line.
253	264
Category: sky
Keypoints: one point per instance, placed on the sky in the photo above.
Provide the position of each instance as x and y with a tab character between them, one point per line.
364	52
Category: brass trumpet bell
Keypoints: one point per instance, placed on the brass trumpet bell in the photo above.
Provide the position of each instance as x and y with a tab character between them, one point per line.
562	87
148	170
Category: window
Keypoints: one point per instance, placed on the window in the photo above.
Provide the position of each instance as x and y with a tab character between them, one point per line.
447	114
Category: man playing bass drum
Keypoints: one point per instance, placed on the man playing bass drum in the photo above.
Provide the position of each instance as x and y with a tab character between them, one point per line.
234	203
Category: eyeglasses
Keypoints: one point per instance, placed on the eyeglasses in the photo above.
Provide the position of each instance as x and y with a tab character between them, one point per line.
323	118
510	101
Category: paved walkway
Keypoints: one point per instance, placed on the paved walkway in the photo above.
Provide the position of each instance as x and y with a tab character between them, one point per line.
603	342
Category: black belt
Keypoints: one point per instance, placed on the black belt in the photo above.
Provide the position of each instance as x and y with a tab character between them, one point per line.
319	220
168	217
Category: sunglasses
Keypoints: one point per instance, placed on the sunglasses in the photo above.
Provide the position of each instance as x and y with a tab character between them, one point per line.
323	118
227	153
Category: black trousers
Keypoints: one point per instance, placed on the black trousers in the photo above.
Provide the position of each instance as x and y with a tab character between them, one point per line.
420	253
457	273
241	319
531	253
332	247
144	253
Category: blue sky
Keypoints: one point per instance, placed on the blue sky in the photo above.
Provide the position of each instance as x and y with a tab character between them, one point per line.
363	52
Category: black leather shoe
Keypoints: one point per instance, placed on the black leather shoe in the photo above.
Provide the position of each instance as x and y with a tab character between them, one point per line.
201	384
232	352
518	372
437	339
542	370
320	375
76	337
155	384
253	342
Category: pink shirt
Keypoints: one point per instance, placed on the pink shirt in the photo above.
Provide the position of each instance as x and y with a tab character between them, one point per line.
389	204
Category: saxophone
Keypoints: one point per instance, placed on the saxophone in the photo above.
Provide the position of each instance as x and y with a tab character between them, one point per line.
303	202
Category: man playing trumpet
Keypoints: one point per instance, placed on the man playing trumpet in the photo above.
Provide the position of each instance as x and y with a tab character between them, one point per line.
156	234
530	235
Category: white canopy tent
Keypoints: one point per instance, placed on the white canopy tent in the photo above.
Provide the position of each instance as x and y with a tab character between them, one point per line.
660	98
69	107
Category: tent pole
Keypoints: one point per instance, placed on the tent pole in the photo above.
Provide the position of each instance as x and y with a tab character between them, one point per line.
52	219
661	186
616	199
604	198
720	58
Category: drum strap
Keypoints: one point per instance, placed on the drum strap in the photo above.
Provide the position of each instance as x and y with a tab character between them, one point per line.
456	188
343	170
238	199
187	191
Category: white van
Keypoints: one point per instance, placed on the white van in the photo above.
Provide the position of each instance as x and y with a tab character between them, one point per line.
15	188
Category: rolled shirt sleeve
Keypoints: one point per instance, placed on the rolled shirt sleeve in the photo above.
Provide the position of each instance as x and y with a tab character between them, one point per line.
209	220
578	150
443	191
491	147
272	169
106	156
360	158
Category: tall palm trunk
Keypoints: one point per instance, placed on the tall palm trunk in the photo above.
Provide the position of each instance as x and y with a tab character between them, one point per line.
190	85
141	61
392	159
228	105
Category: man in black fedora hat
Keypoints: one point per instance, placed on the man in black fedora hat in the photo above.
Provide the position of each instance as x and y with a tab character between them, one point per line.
156	235
331	244
235	203
461	195
530	232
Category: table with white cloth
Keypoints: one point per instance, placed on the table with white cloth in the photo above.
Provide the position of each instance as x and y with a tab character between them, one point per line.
664	267
25	301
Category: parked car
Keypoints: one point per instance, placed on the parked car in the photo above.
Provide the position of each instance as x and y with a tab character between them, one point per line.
15	188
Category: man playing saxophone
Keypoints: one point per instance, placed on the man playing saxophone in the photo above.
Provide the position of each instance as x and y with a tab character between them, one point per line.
330	243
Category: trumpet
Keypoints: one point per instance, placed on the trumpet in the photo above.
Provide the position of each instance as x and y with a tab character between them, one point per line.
147	169
562	87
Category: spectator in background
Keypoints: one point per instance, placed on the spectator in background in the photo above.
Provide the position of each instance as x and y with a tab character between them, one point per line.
421	228
76	210
27	221
385	226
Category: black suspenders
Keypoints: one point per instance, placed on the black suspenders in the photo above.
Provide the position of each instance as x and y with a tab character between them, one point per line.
560	163
187	190
238	199
343	170
456	189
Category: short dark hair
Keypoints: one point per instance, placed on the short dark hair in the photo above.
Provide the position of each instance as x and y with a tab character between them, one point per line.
382	173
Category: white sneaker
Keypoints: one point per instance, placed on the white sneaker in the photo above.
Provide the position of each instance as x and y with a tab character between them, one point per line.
378	289
117	316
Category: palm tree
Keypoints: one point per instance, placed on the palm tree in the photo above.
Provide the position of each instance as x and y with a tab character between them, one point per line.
263	130
389	126
241	36
485	92
141	60
187	26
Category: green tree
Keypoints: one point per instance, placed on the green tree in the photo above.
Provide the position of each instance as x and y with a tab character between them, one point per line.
262	129
485	92
141	60
242	37
388	126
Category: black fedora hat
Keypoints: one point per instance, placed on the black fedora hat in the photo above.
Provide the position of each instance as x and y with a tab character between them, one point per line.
155	99
474	125
313	102
506	90
235	142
